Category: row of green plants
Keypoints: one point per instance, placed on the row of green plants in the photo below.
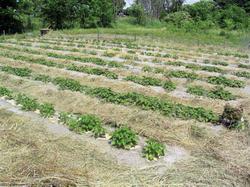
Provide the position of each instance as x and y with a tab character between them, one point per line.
150	81
244	74
217	80
222	63
196	67
239	55
164	106
216	93
182	74
122	137
93	71
245	66
21	72
42	61
167	108
94	60
28	104
221	80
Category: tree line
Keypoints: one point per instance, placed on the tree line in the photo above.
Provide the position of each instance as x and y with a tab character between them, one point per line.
18	16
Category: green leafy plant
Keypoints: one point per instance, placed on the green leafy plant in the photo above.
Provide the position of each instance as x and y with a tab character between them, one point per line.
124	138
216	93
21	72
69	84
84	123
93	71
169	85
43	78
6	92
182	74
146	81
244	66
153	149
27	103
46	110
243	74
98	131
220	80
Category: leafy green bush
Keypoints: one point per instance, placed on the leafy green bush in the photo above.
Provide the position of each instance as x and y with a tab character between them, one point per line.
179	18
124	138
220	80
153	149
27	103
47	110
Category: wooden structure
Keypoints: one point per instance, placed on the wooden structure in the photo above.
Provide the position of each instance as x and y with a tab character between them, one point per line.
44	31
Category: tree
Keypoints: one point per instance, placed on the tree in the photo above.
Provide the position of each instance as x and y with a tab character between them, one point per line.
245	4
118	6
61	14
173	5
137	11
10	20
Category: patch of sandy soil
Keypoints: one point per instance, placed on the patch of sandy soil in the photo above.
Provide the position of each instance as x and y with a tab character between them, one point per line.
132	158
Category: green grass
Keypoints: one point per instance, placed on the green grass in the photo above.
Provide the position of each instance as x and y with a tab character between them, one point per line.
166	33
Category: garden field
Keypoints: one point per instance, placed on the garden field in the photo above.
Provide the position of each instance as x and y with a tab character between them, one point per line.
117	110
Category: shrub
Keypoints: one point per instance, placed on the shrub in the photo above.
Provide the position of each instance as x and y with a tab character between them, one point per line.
27	103
153	149
47	110
124	138
179	18
232	118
